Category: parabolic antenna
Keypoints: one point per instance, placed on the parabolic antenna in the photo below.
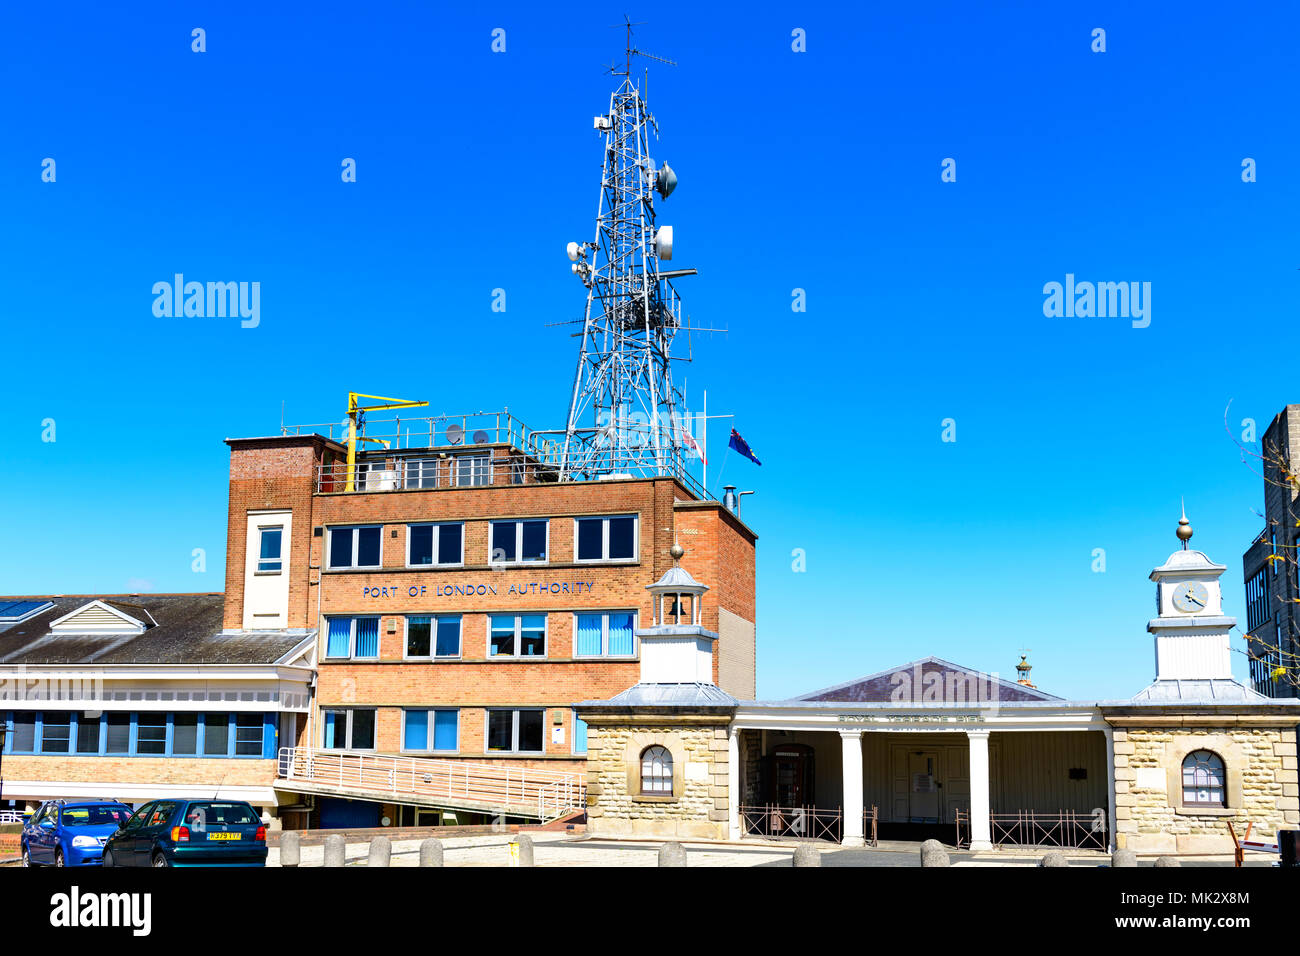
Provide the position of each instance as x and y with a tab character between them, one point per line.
455	434
666	181
664	243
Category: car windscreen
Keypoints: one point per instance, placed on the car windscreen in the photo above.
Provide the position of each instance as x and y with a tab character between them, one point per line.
93	816
235	814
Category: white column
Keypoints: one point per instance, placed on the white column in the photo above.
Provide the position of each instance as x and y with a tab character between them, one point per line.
981	835
1109	732
851	763
733	783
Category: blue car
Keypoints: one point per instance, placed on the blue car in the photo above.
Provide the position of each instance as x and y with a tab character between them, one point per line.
61	833
189	833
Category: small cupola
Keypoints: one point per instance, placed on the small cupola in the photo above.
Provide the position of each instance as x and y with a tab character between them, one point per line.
677	594
676	649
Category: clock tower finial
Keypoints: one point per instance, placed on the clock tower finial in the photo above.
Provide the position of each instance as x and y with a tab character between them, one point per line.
1184	527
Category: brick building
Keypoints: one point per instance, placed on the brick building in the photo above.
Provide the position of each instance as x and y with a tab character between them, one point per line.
1271	571
463	600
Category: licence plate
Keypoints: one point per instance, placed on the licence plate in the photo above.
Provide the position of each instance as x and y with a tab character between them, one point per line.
225	836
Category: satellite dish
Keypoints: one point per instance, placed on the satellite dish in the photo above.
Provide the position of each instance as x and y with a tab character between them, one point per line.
455	434
574	250
666	181
664	243
480	437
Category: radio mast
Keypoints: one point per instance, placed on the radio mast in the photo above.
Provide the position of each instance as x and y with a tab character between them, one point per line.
623	416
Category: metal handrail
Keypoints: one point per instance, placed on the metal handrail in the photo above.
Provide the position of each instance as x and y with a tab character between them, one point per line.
521	790
409	470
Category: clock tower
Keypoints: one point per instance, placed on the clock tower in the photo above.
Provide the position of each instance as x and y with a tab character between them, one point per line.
1191	632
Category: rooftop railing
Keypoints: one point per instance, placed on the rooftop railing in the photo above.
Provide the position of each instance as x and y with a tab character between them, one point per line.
455	445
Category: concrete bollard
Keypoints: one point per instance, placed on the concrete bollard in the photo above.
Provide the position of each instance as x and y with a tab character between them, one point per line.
335	850
290	848
1124	858
431	852
1055	858
1167	861
805	854
521	850
933	854
381	852
672	854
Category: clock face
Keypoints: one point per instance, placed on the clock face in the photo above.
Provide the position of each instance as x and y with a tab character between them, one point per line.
1191	597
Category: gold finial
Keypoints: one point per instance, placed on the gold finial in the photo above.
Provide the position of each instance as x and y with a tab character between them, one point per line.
1184	526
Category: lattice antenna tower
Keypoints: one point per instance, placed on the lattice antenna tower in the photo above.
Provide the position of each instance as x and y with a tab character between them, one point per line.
623	415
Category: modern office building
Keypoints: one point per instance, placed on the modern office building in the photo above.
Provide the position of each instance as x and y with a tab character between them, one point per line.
463	599
1270	567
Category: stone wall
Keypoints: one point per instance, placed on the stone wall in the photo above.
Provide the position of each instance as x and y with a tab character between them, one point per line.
697	807
1261	786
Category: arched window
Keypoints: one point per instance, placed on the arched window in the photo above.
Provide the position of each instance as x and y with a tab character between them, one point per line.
657	771
1203	779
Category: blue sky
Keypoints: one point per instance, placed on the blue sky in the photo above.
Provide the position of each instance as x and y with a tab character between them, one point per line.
817	170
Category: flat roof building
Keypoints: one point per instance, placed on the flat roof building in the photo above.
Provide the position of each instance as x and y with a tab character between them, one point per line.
462	599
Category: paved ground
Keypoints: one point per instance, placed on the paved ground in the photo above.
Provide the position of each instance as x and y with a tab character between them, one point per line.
560	850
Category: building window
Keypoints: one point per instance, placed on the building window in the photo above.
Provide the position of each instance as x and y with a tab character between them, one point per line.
579	735
606	539
348	730
516	731
355	637
473	470
268	560
433	544
56	732
428	636
216	735
1257	609
420	473
248	735
517	635
151	735
118	738
354	547
1203	779
656	771
185	735
22	735
606	635
518	541
431	730
87	734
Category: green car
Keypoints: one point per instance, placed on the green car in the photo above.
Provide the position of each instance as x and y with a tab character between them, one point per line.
189	833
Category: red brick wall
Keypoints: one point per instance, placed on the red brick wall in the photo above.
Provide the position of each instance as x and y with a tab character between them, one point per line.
280	473
273	473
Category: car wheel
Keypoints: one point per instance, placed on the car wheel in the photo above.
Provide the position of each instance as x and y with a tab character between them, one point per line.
27	858
108	858
160	860
58	858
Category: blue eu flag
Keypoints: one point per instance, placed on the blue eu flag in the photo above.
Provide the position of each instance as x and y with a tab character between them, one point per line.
742	446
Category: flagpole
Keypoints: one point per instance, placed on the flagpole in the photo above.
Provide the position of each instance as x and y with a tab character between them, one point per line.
704	444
